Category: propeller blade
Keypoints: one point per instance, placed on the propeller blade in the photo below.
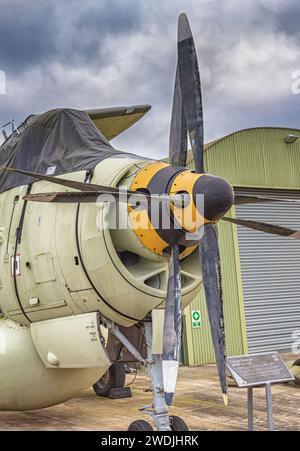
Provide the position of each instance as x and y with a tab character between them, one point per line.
190	86
90	187
64	182
82	197
178	129
267	228
211	274
172	327
241	199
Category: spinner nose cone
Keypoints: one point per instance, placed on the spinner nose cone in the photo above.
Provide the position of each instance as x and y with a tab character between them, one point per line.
218	196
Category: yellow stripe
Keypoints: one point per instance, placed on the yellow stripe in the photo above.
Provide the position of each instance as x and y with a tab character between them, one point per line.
147	233
145	175
188	251
139	220
188	218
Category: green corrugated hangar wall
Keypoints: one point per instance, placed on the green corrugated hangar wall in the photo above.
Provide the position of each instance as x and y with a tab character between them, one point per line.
249	159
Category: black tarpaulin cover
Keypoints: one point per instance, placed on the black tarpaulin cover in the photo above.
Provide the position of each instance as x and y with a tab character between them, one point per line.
54	143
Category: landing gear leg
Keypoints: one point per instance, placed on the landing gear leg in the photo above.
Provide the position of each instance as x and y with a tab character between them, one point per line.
159	409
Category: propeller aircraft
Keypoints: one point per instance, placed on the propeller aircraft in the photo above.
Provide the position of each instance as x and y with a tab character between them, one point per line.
76	297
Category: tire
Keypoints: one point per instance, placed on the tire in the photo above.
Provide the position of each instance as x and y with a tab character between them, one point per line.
118	375
140	425
177	424
103	385
113	378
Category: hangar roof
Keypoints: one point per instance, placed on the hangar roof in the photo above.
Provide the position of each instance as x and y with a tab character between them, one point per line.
256	157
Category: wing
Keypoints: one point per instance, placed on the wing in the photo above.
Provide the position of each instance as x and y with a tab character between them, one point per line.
113	121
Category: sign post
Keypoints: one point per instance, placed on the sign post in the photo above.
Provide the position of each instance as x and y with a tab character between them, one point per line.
269	407
257	370
250	409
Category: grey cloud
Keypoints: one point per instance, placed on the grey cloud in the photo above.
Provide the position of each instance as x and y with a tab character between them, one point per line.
114	17
99	53
27	35
83	34
32	33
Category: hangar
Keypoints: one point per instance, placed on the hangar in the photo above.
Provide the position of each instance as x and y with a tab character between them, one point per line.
261	272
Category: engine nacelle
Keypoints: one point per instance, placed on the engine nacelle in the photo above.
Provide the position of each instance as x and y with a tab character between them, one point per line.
66	264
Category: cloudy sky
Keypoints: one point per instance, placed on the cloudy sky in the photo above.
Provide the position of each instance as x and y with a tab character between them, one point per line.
101	53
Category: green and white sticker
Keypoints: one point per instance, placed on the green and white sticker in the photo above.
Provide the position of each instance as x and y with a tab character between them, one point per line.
196	319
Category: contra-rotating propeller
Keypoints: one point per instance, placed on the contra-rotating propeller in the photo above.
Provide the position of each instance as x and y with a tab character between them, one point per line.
187	117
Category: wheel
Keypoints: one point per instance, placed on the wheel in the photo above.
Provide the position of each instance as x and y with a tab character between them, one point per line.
140	425
177	424
113	378
103	385
118	375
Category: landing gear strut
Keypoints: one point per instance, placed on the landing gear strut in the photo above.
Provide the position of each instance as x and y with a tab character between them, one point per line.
158	410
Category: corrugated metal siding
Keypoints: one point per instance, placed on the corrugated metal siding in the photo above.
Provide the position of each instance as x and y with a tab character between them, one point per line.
257	158
271	274
249	158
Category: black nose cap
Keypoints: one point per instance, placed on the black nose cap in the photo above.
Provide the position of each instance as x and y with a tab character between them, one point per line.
218	196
